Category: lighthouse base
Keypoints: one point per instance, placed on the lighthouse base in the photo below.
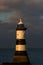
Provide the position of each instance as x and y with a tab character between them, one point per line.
21	58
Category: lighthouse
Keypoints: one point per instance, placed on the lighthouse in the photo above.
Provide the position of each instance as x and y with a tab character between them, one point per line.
20	55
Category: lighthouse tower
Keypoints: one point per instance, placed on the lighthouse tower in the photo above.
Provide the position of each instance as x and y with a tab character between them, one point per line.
20	54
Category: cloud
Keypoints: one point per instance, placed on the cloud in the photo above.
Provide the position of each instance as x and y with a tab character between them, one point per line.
2	7
16	15
20	5
28	2
30	10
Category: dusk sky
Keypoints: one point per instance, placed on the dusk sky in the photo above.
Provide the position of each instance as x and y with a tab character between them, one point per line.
32	13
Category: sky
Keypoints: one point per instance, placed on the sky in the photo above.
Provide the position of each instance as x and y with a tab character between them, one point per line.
32	13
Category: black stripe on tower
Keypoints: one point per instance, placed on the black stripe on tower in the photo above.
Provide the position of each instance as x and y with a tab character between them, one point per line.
21	27
20	41
21	53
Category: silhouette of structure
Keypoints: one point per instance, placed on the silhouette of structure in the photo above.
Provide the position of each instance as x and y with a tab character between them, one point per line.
20	54
20	57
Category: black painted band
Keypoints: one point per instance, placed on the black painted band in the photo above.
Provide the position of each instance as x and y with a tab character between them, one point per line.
20	41
20	53
21	27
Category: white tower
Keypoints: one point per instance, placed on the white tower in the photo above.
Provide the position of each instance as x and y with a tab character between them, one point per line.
20	54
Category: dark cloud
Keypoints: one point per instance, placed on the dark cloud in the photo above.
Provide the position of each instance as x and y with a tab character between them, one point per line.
18	4
30	11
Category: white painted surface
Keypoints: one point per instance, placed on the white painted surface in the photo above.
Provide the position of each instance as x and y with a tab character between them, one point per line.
20	34
20	47
20	22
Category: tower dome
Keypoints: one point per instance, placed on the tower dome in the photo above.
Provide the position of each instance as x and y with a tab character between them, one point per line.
20	22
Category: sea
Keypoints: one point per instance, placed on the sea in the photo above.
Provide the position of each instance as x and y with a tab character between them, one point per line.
35	55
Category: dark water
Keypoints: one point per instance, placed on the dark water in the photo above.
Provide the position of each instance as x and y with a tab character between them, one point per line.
35	55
